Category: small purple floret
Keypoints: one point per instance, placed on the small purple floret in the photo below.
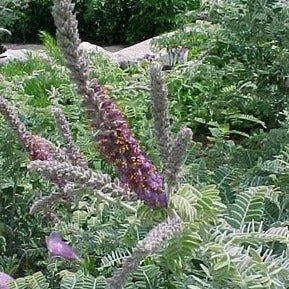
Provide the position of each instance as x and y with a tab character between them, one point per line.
4	280
57	248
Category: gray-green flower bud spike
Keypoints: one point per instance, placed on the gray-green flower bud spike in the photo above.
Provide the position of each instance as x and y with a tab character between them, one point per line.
159	100
155	239
78	177
178	153
72	149
37	147
69	173
11	116
68	40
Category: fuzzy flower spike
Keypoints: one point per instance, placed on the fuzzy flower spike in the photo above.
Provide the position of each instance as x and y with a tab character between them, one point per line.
114	138
117	144
37	147
154	240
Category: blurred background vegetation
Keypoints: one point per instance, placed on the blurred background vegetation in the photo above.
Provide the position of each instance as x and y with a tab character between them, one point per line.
100	21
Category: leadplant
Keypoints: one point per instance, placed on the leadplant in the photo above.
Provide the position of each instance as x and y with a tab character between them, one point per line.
220	220
114	138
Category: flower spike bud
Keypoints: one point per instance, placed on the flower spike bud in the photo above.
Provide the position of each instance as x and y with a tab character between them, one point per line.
159	100
4	280
57	248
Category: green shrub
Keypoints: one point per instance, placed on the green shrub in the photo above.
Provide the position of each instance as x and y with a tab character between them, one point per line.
238	67
25	18
102	21
150	17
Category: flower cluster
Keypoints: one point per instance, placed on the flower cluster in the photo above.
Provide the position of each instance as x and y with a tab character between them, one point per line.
118	146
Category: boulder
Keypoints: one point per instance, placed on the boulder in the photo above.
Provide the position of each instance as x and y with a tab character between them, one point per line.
92	48
137	50
19	55
124	57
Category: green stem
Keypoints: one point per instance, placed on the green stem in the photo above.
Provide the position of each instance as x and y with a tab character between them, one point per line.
114	201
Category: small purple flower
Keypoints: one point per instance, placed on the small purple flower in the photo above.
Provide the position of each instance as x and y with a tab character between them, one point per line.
57	248
4	280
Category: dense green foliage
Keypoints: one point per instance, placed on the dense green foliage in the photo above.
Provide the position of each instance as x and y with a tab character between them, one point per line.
102	21
233	194
243	70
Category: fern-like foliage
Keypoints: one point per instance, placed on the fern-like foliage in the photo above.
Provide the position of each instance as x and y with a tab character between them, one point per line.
35	281
180	249
79	280
249	205
148	276
192	203
232	198
115	257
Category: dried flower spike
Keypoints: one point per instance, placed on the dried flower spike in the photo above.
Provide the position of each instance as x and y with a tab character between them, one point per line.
57	248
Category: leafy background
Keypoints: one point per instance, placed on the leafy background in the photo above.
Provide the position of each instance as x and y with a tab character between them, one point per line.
113	21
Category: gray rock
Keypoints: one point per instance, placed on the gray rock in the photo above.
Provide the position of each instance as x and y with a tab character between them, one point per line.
9	55
19	55
137	50
133	54
124	57
92	48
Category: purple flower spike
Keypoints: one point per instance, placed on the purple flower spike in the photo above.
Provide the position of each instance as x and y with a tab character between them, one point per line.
4	280
58	248
118	146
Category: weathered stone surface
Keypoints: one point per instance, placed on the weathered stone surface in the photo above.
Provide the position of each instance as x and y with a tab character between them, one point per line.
124	57
19	55
92	48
